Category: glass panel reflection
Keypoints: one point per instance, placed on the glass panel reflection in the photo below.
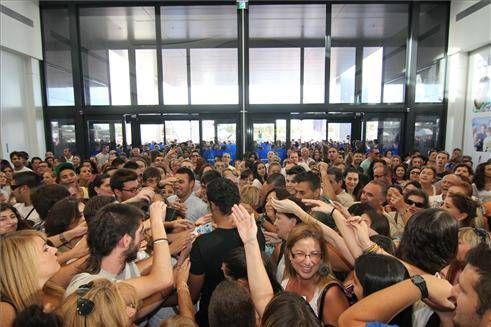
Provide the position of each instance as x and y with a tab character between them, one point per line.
308	130
342	77
383	134
63	136
151	133
182	131
426	134
339	132
146	76
175	76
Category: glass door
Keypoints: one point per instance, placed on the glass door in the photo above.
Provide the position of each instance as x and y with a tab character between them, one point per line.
219	136
384	133
102	132
269	135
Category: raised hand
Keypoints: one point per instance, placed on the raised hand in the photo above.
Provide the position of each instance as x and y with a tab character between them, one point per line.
361	231
182	273
318	205
439	293
285	206
246	224
203	220
157	210
272	238
181	243
182	223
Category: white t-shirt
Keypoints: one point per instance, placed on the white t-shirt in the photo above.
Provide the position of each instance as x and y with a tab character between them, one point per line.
28	213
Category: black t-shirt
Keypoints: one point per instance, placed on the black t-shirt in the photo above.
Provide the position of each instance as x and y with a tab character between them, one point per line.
207	256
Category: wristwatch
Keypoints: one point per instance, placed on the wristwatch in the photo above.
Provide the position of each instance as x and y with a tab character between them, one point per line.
421	284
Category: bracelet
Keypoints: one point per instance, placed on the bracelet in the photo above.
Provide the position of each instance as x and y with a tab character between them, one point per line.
332	211
160	240
63	239
371	249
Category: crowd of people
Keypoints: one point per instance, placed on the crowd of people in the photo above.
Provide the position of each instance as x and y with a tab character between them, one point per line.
161	236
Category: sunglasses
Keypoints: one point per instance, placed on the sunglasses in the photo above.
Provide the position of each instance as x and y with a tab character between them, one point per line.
482	234
416	204
84	306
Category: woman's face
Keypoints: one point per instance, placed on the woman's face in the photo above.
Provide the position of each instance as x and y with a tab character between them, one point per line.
85	173
3	179
261	169
47	263
283	225
400	172
9	173
305	257
8	222
357	288
49	178
432	156
415	204
76	160
230	176
414	174
448	206
426	176
395	161
351	180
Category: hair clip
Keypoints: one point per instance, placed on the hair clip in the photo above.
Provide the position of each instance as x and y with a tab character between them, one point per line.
84	306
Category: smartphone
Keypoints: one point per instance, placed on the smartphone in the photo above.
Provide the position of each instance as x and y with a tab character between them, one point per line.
170	214
203	229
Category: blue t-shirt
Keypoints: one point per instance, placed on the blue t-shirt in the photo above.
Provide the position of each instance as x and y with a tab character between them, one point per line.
378	324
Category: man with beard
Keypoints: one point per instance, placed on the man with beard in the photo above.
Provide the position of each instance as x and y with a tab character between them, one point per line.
114	240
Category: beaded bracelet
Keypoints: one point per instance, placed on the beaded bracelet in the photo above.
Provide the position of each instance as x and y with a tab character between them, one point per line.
160	240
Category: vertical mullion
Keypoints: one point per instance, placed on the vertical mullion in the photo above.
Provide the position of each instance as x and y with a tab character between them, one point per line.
132	72
108	71
158	38
302	72
358	73
188	72
327	64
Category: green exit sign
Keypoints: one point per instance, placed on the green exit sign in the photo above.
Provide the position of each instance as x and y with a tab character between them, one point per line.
242	4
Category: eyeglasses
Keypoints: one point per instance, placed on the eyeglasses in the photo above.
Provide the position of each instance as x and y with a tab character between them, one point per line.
415	172
416	204
378	176
132	190
84	306
300	256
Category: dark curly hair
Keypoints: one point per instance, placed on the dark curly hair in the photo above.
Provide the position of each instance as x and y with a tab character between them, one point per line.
45	196
112	222
430	240
223	193
61	215
479	178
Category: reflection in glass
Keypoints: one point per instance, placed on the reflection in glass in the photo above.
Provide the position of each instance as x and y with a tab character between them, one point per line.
226	133
274	75
146	76
175	76
57	57
120	77
63	136
127	127
429	83
208	128
313	76
339	132
394	91
281	130
263	132
151	133
182	131
308	130
384	134
372	74
426	133
342	77
214	76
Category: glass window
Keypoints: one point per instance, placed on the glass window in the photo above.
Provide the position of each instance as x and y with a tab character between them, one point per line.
342	76
227	133
146	76
129	139
281	130
208	128
106	34
339	132
426	133
119	72
275	71
214	76
182	131
151	133
274	75
308	130
313	75
57	57
383	134
175	76
432	32
210	32
263	132
381	29
372	74
63	136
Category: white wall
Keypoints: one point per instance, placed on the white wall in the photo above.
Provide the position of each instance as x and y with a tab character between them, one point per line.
21	115
466	35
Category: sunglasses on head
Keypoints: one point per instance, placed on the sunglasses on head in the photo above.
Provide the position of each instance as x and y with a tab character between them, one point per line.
416	204
84	306
482	234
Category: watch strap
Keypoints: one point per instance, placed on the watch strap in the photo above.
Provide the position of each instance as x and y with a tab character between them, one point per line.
420	283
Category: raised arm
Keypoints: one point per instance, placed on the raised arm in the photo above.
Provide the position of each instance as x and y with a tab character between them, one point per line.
259	284
395	298
160	276
186	307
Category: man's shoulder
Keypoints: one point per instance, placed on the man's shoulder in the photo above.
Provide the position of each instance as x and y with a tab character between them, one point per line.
79	280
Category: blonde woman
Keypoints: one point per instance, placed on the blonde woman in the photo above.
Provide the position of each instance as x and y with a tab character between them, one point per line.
101	303
27	262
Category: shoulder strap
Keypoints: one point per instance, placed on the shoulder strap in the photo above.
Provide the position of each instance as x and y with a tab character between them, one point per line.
29	213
